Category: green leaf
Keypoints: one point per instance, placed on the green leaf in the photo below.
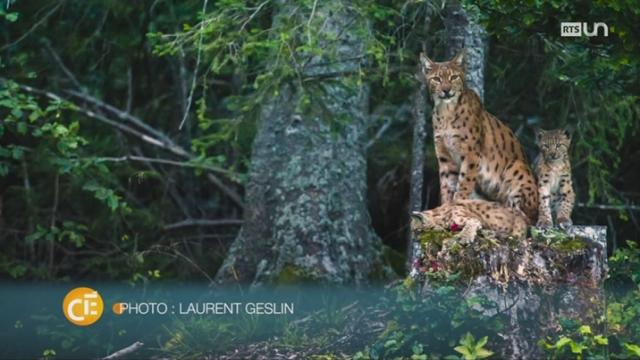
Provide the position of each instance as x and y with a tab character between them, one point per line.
22	128
601	340
482	342
17	113
467	340
633	349
17	271
585	330
17	152
577	348
11	17
543	343
35	115
562	342
462	350
483	353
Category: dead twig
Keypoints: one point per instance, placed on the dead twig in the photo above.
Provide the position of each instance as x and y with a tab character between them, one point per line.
166	162
126	351
609	207
195	71
202	222
61	64
34	27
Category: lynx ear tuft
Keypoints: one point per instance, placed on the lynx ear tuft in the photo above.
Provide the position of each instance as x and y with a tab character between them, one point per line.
426	63
568	131
459	58
418	216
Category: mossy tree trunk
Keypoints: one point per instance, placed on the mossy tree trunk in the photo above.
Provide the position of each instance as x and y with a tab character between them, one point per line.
532	286
306	215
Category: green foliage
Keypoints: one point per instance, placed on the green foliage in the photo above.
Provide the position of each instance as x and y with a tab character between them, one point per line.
194	338
472	350
242	37
625	263
623	289
108	196
579	344
450	316
73	210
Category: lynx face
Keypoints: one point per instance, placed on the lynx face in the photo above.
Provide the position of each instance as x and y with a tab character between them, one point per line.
445	80
554	144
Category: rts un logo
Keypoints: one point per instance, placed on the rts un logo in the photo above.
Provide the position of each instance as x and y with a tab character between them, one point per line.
577	29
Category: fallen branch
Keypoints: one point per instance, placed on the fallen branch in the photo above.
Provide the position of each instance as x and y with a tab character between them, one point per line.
202	222
126	351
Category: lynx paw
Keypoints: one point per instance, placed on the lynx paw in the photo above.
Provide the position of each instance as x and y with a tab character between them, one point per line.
544	224
564	224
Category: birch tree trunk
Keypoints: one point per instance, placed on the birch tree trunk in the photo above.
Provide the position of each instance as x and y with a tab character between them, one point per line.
306	214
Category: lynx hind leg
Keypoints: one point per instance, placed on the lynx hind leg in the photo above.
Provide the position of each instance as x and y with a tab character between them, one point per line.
523	191
500	220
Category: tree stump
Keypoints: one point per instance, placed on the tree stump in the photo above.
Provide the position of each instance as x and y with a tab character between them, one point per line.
551	277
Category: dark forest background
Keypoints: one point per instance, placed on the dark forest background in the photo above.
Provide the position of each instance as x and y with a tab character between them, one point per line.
277	142
138	138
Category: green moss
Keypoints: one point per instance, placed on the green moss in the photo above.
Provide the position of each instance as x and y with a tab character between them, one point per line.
393	258
429	237
408	283
455	248
559	240
572	244
292	274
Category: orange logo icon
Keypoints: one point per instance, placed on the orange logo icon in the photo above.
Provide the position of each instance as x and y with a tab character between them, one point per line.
119	308
82	306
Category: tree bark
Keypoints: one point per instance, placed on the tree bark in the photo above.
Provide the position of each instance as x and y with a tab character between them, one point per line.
418	155
306	215
463	32
418	152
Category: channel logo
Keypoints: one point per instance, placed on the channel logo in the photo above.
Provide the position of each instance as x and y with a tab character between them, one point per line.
82	306
577	29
